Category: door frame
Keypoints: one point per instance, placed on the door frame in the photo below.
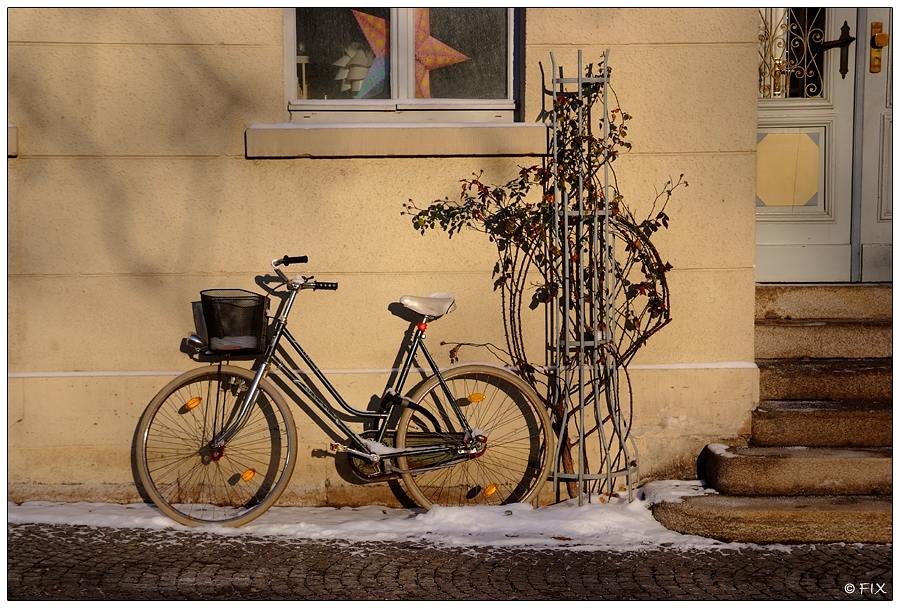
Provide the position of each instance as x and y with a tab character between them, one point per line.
859	96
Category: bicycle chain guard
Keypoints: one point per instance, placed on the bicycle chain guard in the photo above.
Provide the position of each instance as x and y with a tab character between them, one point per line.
369	471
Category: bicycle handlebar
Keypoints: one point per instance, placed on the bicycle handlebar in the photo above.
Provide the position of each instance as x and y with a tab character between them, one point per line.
300	282
291	259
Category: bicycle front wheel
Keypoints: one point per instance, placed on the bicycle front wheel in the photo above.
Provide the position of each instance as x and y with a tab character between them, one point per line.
195	483
495	403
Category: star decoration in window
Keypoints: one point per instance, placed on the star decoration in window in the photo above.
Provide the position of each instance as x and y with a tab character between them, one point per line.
378	37
431	53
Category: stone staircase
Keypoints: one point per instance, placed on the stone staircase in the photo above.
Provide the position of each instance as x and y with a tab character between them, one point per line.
818	466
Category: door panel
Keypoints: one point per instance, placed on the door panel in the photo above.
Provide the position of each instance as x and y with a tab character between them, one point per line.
804	150
876	214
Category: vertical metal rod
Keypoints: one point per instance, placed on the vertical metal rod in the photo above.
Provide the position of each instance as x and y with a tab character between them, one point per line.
609	291
558	309
579	266
602	311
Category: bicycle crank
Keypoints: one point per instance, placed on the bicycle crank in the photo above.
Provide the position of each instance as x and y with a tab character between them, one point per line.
364	468
340	447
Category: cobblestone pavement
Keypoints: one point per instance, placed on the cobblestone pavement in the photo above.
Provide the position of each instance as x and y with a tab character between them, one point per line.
79	562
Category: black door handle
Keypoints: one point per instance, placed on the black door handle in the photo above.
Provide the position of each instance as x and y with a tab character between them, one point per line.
843	43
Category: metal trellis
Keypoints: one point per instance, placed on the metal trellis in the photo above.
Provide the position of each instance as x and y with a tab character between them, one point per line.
583	327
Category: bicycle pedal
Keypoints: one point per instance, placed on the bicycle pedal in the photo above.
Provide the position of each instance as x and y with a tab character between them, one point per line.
338	447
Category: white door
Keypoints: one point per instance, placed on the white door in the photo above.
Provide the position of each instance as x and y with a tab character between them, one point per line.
809	206
876	217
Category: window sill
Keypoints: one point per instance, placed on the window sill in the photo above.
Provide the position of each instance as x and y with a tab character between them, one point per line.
349	140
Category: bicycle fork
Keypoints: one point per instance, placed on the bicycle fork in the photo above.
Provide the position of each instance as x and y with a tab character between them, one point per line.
218	442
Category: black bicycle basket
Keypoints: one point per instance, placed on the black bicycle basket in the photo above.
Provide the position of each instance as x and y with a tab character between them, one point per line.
235	321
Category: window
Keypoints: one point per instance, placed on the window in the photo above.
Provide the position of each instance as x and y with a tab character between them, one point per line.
791	55
400	65
401	82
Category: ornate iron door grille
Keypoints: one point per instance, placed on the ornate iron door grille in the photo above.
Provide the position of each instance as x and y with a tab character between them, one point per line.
791	52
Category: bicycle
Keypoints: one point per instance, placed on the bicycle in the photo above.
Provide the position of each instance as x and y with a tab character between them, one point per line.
217	445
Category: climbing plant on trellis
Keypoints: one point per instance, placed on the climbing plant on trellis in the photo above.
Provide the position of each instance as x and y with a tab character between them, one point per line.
567	242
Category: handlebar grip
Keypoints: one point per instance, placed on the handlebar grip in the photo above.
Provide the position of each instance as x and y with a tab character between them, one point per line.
326	286
295	259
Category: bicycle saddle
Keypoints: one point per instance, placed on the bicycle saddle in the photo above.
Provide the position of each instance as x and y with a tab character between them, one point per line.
434	306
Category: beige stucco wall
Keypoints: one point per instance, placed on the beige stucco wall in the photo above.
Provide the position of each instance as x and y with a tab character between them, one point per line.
131	192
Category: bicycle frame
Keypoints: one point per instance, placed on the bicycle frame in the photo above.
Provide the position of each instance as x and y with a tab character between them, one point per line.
382	418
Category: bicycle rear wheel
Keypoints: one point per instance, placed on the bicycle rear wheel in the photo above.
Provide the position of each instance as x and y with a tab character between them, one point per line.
500	405
195	484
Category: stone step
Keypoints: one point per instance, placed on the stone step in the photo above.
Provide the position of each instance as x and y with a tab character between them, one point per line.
823	338
783	519
831	301
799	471
825	379
847	423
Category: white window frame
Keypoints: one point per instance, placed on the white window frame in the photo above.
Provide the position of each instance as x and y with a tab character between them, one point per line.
404	107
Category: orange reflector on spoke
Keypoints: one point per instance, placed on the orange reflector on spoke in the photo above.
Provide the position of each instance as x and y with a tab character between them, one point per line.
248	474
193	403
490	490
476	398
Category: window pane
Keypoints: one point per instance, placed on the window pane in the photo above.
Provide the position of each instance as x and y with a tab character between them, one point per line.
805	55
345	52
463	53
790	52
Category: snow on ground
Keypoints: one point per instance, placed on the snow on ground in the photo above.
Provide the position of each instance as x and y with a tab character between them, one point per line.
615	524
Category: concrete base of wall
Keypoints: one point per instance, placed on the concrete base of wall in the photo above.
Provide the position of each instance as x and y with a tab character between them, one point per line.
676	413
668	459
383	494
115	493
